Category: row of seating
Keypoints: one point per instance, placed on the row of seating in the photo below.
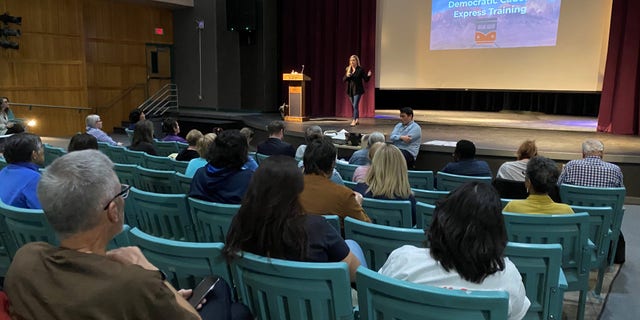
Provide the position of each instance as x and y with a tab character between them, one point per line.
187	262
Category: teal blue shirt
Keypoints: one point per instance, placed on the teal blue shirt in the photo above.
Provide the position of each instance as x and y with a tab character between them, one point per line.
19	183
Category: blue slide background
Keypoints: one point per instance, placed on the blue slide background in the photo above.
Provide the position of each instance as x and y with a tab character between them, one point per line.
515	23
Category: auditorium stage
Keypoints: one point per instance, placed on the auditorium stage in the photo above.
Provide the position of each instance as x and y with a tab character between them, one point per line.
497	135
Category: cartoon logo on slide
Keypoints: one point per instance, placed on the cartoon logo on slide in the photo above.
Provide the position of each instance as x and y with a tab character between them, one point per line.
486	31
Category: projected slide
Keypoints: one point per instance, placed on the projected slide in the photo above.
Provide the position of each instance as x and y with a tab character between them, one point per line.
477	24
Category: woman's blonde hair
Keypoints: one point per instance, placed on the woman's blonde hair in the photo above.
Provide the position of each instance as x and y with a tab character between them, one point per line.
388	175
203	144
357	62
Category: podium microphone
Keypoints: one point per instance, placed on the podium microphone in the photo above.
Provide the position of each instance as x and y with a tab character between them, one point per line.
302	71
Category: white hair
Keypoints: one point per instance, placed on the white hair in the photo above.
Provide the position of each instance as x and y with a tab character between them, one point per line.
74	190
375	137
91	120
592	147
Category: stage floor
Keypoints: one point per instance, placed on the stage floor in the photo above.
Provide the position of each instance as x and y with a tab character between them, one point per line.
494	133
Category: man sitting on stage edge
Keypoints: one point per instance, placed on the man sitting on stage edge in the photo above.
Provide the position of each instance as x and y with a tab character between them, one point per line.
407	136
274	144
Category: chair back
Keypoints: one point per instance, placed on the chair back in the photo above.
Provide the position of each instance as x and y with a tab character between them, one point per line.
260	157
395	213
381	297
349	184
334	221
421	179
184	182
539	267
599	197
104	148
121	239
166	148
377	241
117	153
212	219
133	157
281	289
163	215
424	214
157	162
184	263
51	153
182	146
158	181
428	196
125	172
179	166
24	226
449	181
569	230
346	170
510	189
129	133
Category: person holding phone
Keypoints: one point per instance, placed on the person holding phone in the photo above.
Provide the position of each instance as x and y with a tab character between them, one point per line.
354	75
83	202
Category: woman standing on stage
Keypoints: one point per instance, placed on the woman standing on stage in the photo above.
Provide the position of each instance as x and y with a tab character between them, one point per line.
354	74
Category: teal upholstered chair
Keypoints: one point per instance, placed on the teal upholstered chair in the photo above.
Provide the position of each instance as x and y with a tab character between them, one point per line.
540	268
381	297
133	157
396	213
51	153
179	166
117	154
424	214
163	215
448	181
183	182
378	241
281	289
184	263
158	181
421	179
157	162
212	219
569	230
24	226
428	196
334	221
166	148
599	197
346	170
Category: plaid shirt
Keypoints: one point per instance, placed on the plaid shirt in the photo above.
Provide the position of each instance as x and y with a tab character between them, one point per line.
591	172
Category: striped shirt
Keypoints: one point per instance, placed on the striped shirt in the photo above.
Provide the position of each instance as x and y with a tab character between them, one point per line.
591	172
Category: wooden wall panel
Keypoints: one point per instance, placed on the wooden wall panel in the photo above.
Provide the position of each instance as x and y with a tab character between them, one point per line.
84	53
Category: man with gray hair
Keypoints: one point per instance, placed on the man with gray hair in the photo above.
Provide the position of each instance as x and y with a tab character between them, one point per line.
361	157
591	170
84	204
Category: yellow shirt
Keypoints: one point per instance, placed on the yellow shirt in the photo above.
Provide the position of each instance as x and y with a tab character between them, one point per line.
536	203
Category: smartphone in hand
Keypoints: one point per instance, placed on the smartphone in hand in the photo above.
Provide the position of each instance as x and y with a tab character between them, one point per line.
202	289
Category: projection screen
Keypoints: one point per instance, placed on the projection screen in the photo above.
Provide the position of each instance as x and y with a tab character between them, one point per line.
569	56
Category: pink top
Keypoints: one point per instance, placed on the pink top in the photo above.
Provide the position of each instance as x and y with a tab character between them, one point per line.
360	173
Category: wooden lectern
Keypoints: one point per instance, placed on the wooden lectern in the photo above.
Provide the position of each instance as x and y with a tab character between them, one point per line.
296	96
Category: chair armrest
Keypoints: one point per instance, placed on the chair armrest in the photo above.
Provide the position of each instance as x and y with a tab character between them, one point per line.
591	245
562	281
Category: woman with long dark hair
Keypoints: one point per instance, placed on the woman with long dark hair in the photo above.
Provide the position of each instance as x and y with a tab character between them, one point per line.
143	138
271	221
354	75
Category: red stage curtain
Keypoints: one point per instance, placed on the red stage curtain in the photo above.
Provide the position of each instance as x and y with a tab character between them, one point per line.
620	102
321	35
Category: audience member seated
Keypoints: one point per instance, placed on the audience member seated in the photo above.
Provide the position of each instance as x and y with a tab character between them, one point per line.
171	129
275	145
81	279
7	126
134	116
361	157
94	128
225	177
407	136
387	178
24	154
541	179
310	133
464	162
514	170
247	133
191	151
592	171
82	141
320	195
143	138
272	223
361	171
202	147
467	240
